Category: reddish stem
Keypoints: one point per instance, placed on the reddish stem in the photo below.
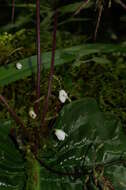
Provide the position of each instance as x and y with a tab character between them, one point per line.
12	112
51	69
13	11
38	56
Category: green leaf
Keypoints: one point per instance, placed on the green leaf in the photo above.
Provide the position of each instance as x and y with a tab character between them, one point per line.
12	165
117	176
41	178
94	139
9	73
50	181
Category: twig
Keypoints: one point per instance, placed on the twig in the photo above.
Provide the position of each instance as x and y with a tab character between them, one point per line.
122	4
98	22
80	7
13	11
51	69
12	112
38	56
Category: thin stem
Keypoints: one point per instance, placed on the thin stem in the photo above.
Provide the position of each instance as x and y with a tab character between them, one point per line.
13	11
51	69
80	7
12	112
98	22
38	56
122	4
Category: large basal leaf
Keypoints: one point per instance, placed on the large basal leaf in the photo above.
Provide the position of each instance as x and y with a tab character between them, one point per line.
9	73
94	139
12	170
43	179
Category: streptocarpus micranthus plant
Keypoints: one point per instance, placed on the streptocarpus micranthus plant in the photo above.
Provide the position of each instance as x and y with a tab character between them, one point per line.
39	65
88	142
45	109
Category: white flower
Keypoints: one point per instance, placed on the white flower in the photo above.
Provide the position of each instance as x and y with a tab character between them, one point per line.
63	96
60	134
32	114
19	66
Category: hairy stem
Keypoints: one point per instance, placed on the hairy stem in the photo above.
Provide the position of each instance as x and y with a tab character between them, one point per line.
38	56
13	11
51	69
12	112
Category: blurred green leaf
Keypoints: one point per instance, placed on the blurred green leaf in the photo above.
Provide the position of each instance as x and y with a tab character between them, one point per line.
12	165
74	6
94	139
10	74
100	60
117	176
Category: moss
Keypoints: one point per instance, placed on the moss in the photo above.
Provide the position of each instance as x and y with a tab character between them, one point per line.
105	82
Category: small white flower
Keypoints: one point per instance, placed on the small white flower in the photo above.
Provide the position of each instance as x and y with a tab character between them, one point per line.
19	66
63	96
60	134
32	114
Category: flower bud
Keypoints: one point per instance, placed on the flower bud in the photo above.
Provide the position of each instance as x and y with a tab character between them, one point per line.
32	114
19	66
63	96
60	134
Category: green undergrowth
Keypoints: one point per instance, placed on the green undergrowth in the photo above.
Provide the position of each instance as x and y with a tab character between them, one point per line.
100	76
22	44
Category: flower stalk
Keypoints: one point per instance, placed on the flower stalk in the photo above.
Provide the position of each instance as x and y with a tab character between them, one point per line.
51	69
38	56
13	11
